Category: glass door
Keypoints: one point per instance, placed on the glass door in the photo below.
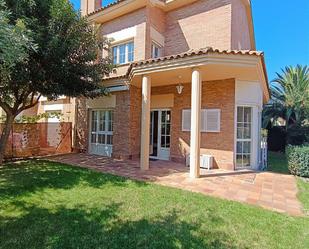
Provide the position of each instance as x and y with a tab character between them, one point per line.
164	134
244	137
101	137
160	134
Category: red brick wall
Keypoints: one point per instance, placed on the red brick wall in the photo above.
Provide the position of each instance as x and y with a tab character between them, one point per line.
200	24
135	120
127	122
215	94
121	134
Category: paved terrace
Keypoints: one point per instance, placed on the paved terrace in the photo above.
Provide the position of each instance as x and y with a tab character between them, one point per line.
272	191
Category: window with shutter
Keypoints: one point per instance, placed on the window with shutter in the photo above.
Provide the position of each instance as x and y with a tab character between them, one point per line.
186	120
210	120
213	120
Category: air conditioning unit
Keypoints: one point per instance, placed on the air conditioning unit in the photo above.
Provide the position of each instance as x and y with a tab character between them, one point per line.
206	161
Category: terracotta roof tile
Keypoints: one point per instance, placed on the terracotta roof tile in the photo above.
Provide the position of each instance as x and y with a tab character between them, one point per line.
193	52
106	6
110	5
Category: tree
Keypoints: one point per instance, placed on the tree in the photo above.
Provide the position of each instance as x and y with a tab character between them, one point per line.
46	48
290	100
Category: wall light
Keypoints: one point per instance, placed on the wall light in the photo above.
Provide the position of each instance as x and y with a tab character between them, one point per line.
179	87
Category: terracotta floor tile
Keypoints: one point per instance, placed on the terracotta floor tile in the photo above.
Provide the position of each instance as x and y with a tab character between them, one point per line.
272	191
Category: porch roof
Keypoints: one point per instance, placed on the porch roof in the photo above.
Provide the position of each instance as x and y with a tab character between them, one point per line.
230	64
194	52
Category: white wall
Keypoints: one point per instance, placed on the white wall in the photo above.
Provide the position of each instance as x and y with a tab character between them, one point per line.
251	94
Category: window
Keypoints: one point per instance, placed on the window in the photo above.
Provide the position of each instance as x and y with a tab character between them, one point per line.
155	50
244	137
210	120
165	129
102	127
123	53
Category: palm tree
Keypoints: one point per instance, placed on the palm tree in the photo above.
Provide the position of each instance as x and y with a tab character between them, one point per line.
289	99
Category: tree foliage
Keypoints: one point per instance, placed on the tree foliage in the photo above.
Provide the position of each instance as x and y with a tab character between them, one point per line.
290	101
47	48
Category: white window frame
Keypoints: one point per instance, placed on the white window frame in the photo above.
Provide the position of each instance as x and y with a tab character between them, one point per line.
244	139
155	45
117	46
204	127
106	132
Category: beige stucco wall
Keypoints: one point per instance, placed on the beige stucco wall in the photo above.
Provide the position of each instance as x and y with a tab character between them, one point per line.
66	106
102	102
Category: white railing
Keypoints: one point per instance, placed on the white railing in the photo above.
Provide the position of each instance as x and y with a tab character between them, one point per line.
264	151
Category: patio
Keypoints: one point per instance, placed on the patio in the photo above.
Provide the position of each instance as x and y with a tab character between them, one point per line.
277	192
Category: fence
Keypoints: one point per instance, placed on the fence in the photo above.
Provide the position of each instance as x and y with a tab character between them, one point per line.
264	153
39	139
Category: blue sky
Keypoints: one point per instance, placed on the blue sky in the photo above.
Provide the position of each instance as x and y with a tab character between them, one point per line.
281	31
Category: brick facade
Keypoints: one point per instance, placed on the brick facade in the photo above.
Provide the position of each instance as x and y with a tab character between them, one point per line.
127	122
221	24
215	94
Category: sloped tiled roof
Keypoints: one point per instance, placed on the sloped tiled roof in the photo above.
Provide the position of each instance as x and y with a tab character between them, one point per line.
110	5
106	6
196	52
201	51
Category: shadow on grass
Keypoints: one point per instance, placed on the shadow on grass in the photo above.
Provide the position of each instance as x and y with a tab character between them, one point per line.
29	176
82	228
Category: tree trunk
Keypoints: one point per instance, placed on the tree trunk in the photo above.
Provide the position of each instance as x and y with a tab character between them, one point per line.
5	135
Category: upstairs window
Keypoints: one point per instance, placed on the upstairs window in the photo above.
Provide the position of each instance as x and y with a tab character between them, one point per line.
123	53
155	50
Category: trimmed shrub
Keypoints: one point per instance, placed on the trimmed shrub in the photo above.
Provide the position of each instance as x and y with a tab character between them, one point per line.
298	160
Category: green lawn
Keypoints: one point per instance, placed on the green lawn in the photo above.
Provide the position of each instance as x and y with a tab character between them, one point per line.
50	205
277	162
303	194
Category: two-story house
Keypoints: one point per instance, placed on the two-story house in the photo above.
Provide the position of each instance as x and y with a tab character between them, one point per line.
188	82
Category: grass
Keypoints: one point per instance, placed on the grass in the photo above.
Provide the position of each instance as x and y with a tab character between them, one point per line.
51	205
303	194
277	162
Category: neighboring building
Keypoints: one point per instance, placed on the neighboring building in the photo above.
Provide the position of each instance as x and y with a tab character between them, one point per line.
65	106
186	69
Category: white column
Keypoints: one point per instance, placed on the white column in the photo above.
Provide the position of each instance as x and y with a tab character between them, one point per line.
196	97
145	132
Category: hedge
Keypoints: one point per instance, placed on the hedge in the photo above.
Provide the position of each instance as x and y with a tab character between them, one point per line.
298	160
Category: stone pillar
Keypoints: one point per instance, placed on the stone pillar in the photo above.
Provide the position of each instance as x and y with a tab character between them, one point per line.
145	126
196	97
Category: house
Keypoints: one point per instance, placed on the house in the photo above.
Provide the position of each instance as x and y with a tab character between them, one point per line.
189	81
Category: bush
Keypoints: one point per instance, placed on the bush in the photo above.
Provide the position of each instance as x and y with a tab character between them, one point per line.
297	135
298	160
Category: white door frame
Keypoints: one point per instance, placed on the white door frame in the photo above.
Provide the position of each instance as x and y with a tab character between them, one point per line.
251	139
108	147
160	110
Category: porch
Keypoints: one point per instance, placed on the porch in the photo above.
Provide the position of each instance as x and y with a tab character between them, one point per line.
272	191
215	111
